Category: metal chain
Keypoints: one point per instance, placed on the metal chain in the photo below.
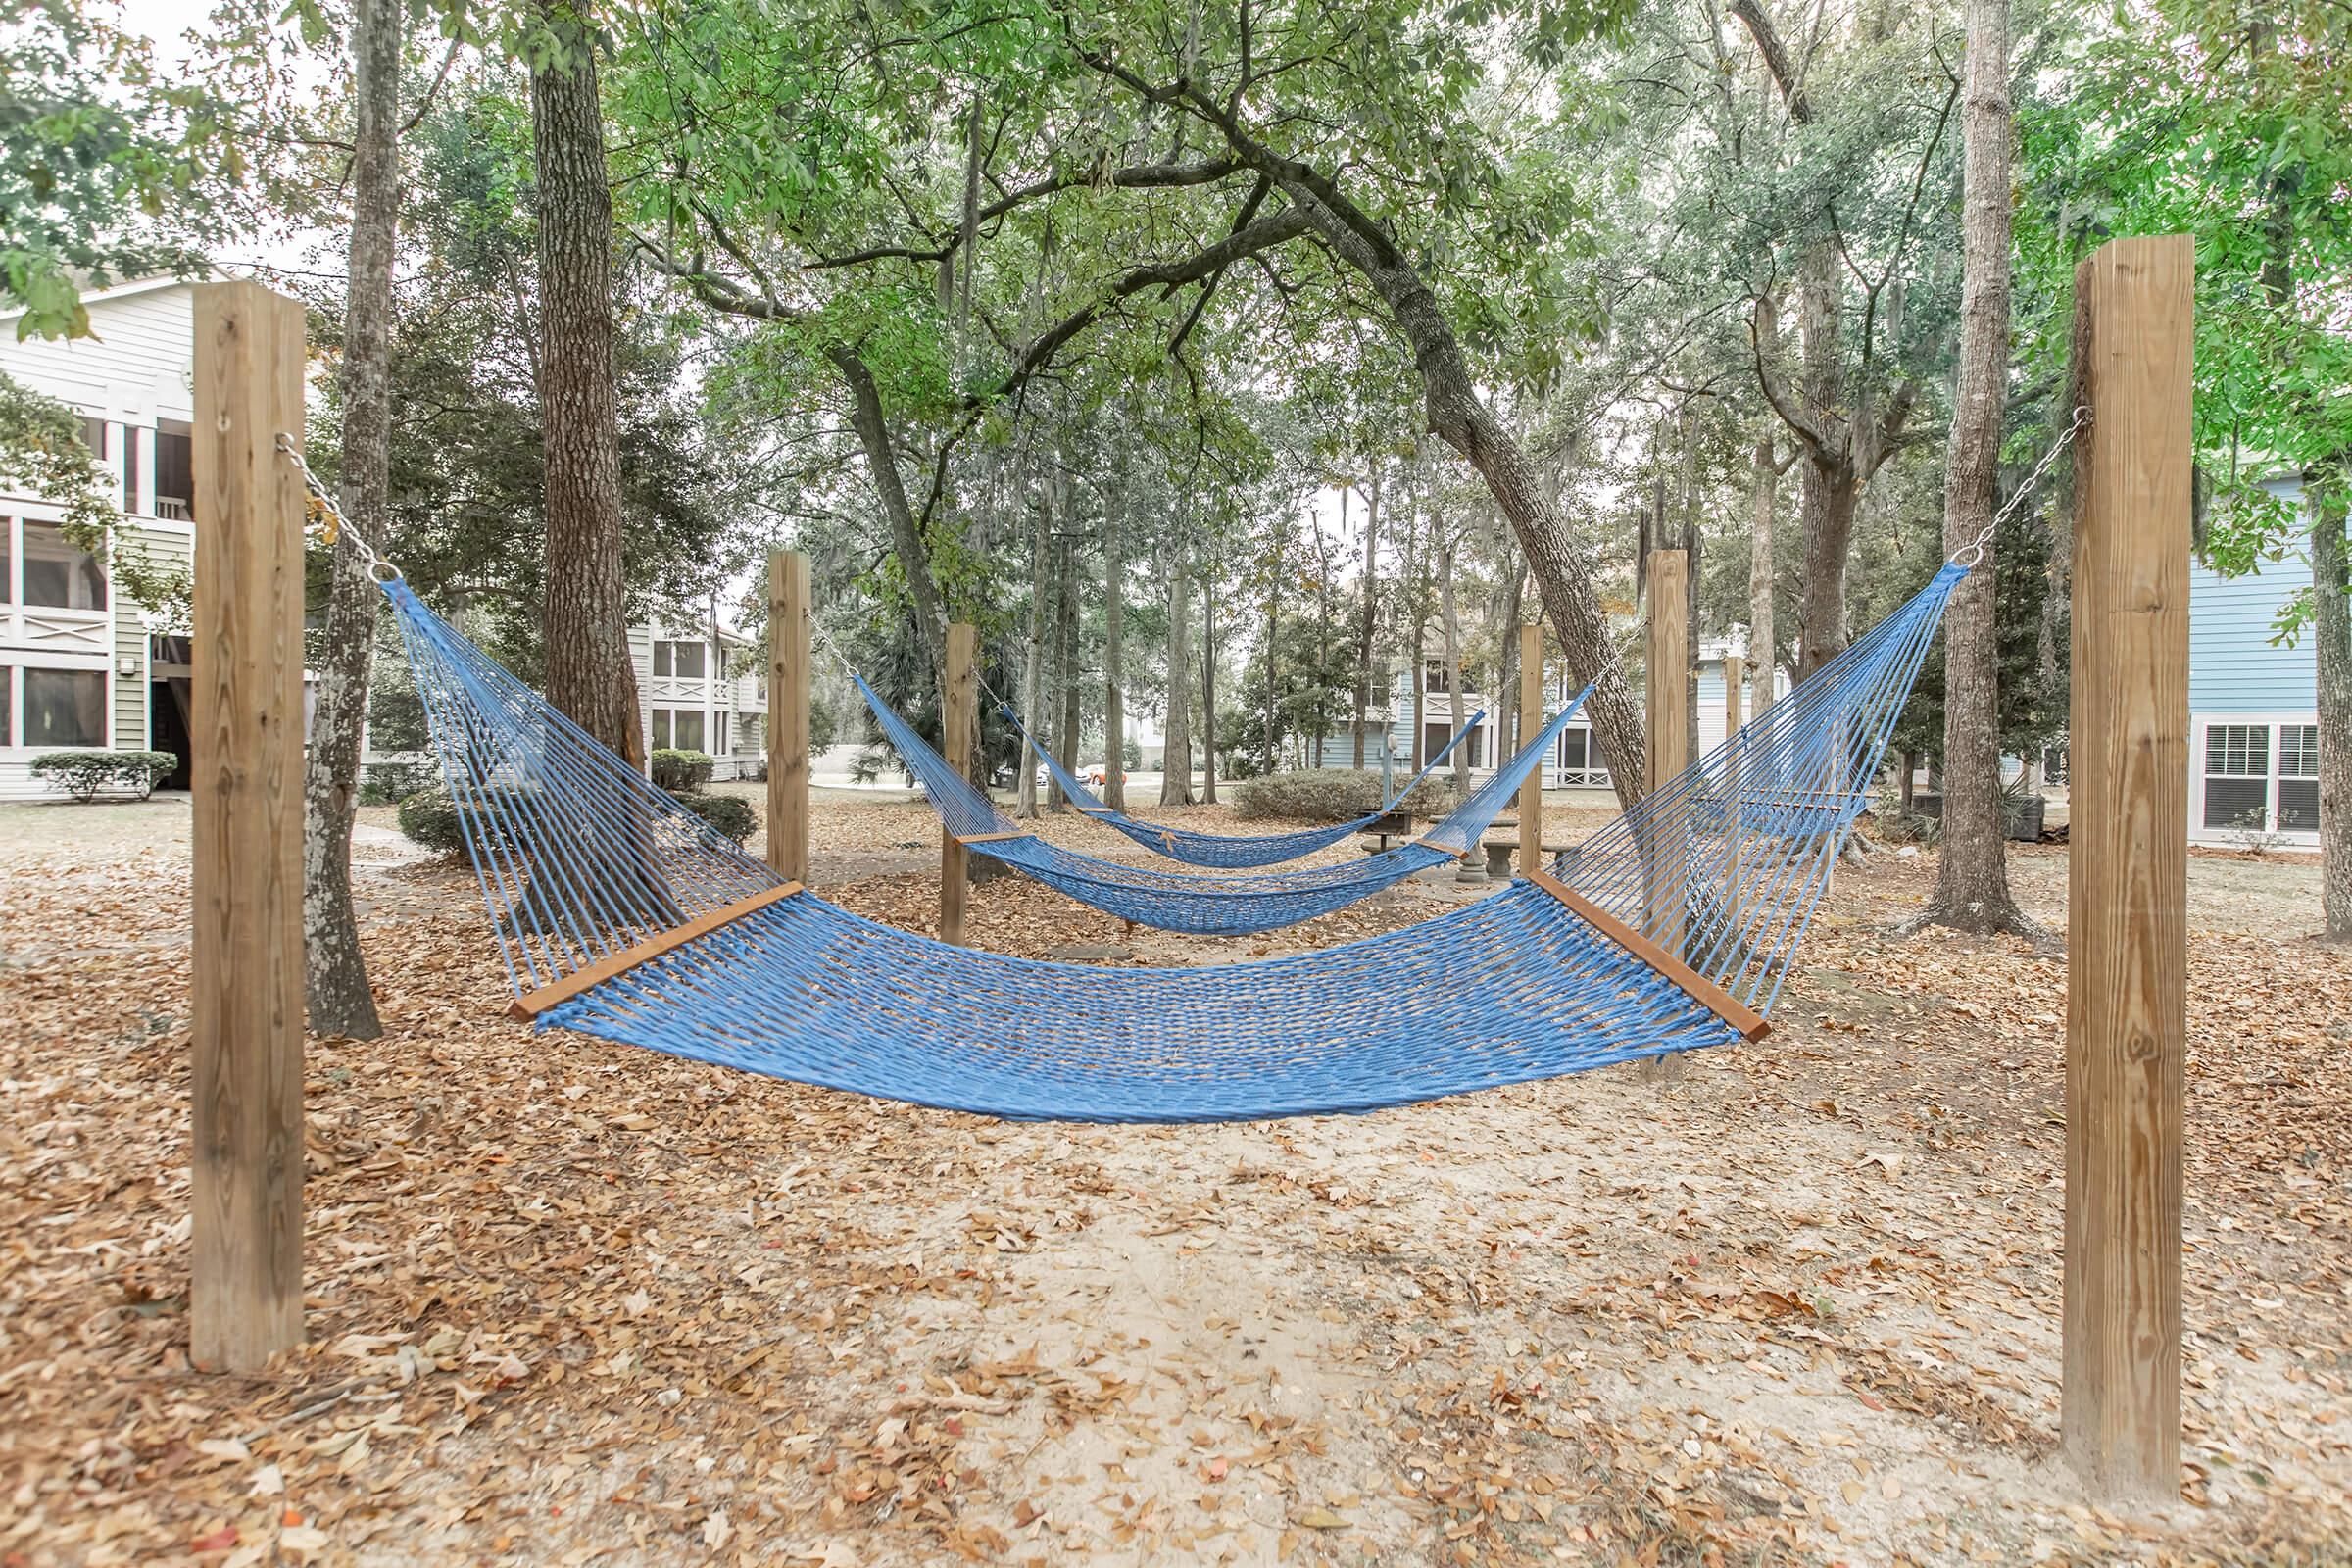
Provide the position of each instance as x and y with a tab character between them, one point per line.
338	525
1973	550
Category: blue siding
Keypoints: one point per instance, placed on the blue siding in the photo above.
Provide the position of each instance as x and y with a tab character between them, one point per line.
2233	665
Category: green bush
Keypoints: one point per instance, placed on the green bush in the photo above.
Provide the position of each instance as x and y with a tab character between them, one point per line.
1332	795
86	776
676	770
429	819
390	783
730	814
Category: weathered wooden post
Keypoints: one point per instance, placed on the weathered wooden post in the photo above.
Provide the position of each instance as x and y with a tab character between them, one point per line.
1667	711
246	1008
788	612
1531	725
2127	871
962	698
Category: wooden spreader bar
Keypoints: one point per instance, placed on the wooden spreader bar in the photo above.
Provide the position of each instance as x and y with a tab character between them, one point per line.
987	838
1092	810
533	1003
1749	1023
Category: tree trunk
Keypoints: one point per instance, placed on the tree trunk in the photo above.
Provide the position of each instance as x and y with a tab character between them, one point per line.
1033	661
905	532
589	675
1209	690
2332	626
1450	627
336	975
1114	658
1176	765
1457	415
1067	661
1368	626
1415	564
1507	685
1763	500
1273	644
1972	884
1693	546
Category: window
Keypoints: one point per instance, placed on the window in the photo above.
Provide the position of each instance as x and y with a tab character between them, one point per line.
175	470
718	734
1435	676
57	575
65	708
1579	758
680	728
93	436
683	660
2299	778
1435	737
2237	774
8	568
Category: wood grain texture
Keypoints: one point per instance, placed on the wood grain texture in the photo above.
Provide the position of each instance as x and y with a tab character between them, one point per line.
532	1003
1531	725
1750	1024
245	1296
788	612
2127	887
962	710
1666	716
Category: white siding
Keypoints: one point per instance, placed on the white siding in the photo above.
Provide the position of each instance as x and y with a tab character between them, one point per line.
136	366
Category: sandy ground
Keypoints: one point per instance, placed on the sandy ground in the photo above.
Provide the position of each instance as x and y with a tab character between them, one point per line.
1795	1302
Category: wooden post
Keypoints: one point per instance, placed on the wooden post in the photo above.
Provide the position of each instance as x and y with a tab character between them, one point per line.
1667	710
2127	873
1531	725
246	1008
955	737
788	612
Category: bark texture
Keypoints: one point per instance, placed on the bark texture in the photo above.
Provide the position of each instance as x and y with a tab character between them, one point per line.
2332	604
1176	766
1972	884
873	425
1114	647
589	674
336	975
1368	624
1033	661
1209	687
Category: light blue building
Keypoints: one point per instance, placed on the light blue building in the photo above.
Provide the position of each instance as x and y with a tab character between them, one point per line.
2253	711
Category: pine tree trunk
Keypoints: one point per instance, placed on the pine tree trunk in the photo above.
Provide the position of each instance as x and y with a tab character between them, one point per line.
1114	647
1176	761
1764	482
2332	602
1033	663
1273	642
336	974
1368	626
1450	627
1065	662
589	675
1208	689
1972	884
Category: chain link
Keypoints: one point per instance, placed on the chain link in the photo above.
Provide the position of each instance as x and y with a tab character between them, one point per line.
336	527
1973	550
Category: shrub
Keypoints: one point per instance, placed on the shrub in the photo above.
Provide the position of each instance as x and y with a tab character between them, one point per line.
390	783
1331	795
730	814
676	770
86	776
429	819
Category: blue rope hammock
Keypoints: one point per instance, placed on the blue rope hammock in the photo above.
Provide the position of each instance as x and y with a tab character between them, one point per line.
1206	906
1216	848
620	915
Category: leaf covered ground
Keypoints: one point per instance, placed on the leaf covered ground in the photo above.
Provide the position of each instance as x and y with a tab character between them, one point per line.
574	1302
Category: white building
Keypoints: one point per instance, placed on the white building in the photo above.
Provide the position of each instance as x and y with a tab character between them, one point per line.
81	667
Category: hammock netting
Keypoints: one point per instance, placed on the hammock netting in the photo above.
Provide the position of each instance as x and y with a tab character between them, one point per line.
1203	906
581	860
1239	851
